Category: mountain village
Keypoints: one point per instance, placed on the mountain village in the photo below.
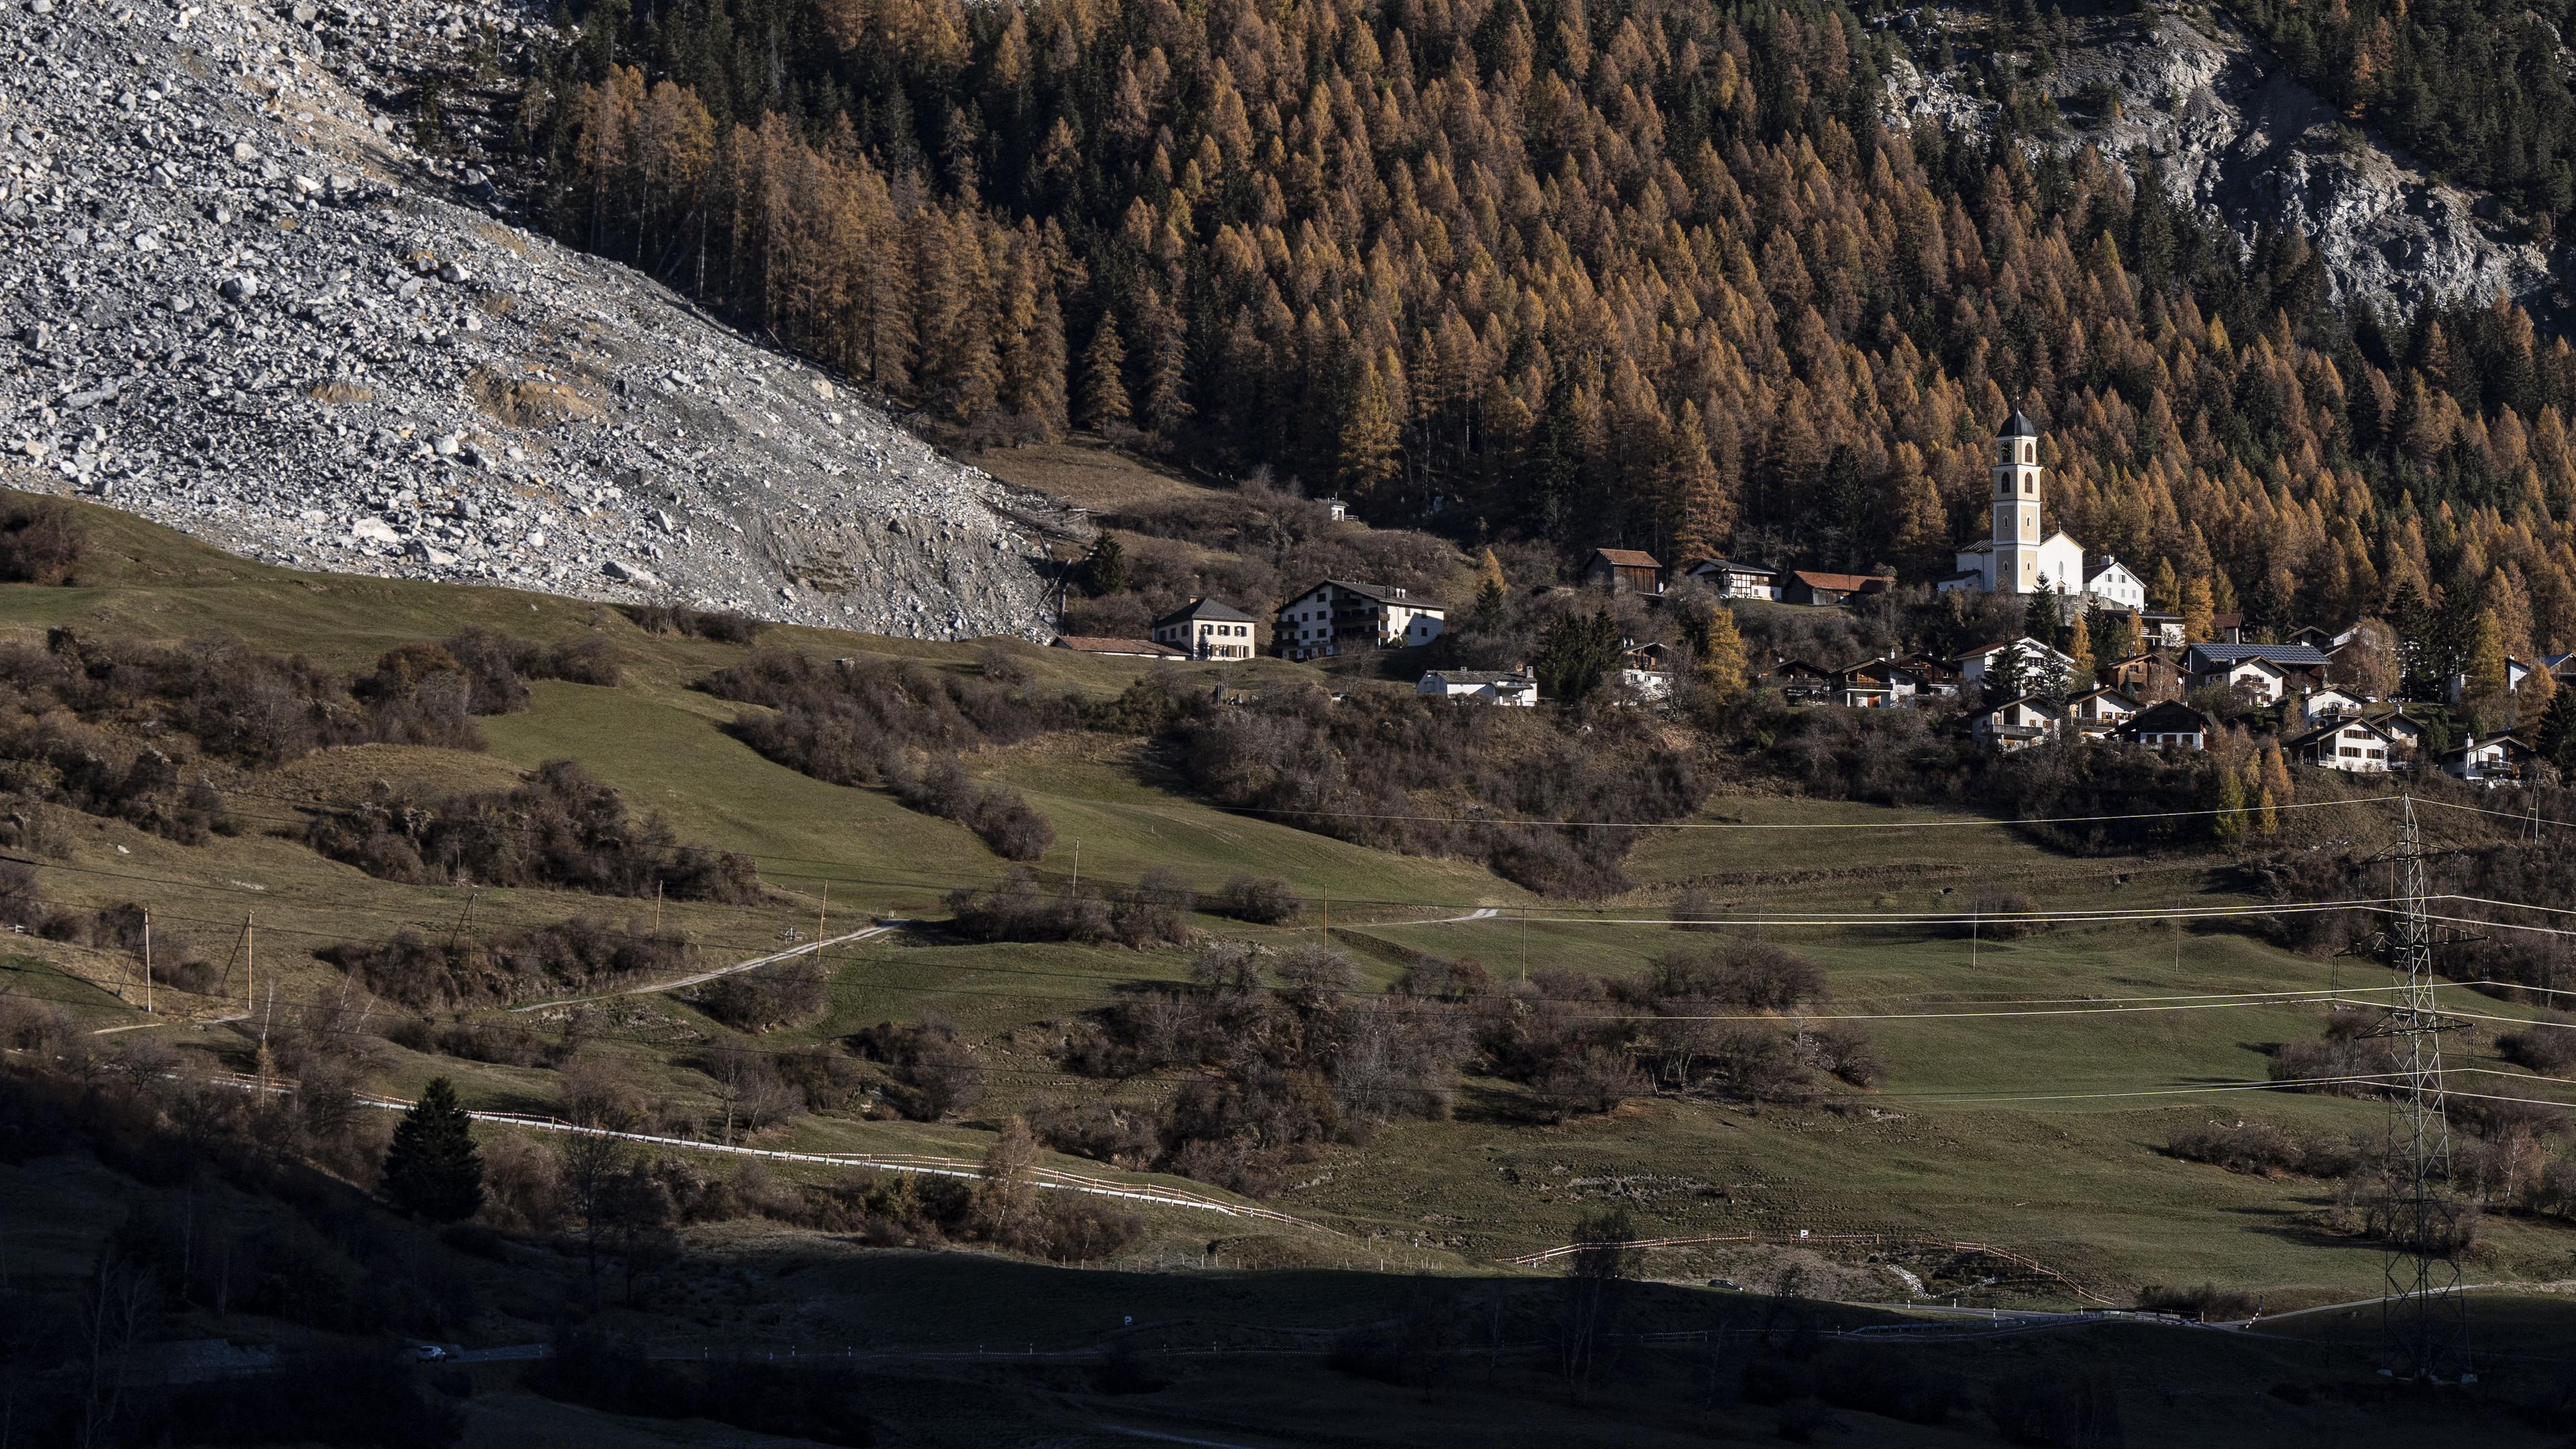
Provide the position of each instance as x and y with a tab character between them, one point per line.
2325	696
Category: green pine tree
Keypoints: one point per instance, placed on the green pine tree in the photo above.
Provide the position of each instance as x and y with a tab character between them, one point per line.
1104	569
2557	740
433	1170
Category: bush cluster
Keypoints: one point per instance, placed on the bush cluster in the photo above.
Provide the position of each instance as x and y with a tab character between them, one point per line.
996	813
500	968
934	1071
1284	1059
41	540
561	829
1154	911
2263	1149
855	721
767	998
720	626
1350	767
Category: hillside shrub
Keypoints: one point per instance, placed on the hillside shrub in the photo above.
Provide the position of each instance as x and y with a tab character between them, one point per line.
500	968
996	813
718	626
856	721
41	540
935	1072
561	829
1014	909
1260	900
767	998
1348	767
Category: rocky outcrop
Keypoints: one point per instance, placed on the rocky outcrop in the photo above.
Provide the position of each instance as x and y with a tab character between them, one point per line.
244	306
2237	136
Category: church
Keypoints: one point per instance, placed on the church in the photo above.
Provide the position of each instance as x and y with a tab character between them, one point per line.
2018	559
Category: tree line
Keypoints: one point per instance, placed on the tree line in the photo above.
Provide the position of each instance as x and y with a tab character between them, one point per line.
1653	273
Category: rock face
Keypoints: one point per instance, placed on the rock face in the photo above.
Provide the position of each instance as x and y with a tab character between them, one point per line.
242	306
2240	138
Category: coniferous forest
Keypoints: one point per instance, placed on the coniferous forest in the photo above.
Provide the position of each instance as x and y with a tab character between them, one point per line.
1652	273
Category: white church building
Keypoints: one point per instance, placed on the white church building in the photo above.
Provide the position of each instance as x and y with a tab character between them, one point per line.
2019	559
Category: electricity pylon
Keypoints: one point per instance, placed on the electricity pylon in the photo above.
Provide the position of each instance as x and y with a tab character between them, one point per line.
2423	1314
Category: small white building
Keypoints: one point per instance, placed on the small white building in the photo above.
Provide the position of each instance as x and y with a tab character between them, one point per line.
2490	762
2331	702
1972	665
2264	669
2015	724
2350	744
2097	712
1208	629
1480	686
2110	581
1341	617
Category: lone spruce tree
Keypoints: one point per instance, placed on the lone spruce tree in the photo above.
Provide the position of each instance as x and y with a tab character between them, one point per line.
433	1169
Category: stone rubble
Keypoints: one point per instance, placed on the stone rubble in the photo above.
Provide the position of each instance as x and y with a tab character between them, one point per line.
234	300
2240	138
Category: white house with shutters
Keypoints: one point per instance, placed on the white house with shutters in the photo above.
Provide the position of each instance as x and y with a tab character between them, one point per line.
1338	616
1208	629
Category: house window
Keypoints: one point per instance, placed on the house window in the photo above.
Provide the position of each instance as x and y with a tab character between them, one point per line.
2030	452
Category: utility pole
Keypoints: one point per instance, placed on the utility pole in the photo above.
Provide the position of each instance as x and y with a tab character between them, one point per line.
1077	867
250	968
657	907
147	961
2424	1315
822	913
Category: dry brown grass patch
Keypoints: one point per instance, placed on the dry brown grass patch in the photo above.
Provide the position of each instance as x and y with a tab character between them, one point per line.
529	402
341	392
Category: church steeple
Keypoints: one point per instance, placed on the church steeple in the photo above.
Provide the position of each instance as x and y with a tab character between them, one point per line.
2016	510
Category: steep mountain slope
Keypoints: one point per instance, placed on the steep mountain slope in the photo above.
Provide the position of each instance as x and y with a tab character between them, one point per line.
245	307
2236	134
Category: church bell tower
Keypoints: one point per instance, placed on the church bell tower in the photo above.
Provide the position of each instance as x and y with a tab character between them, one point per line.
2016	501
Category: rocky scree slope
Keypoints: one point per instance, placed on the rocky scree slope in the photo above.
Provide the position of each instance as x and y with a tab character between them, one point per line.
2237	136
241	305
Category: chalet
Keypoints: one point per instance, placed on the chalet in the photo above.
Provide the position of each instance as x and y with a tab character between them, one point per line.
1646	670
2354	745
2145	678
1734	580
2163	631
2324	641
2405	733
1341	617
1628	570
1874	684
2320	705
1932	677
2561	667
1972	666
2265	670
1125	648
2097	712
2227	628
1207	629
2170	725
1807	586
1480	686
2488	762
1798	680
2109	580
2015	724
1335	509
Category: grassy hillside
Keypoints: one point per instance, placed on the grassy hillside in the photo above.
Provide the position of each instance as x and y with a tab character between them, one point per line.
2008	1113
